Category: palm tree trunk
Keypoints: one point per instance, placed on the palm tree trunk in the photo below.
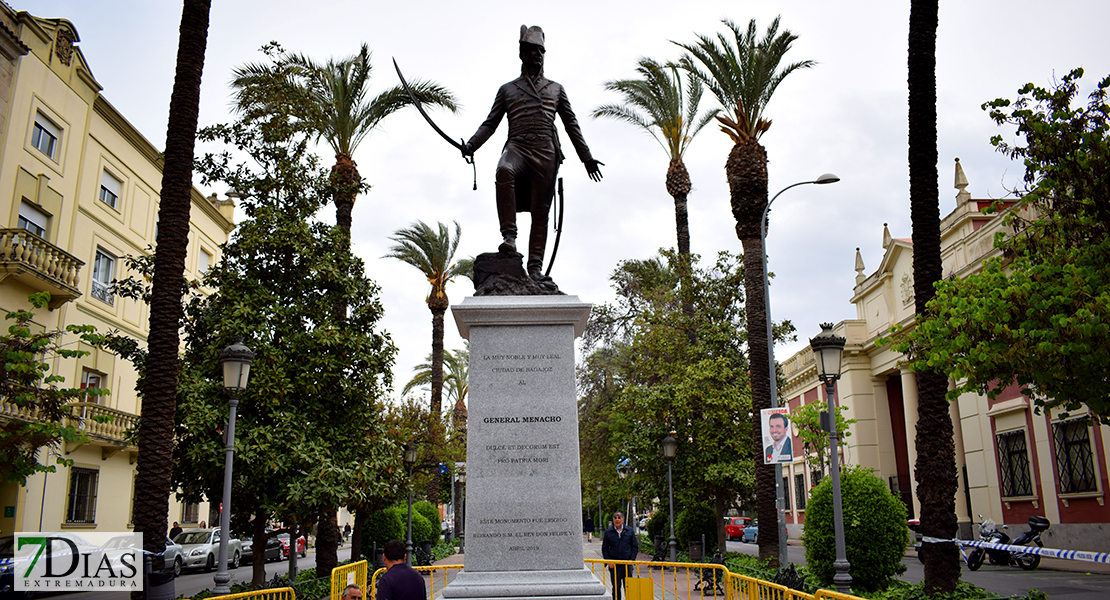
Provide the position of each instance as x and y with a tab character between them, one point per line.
678	186
936	455
747	181
356	535
152	483
347	178
327	544
438	306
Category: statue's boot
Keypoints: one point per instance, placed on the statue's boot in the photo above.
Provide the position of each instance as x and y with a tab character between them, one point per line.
506	216
537	242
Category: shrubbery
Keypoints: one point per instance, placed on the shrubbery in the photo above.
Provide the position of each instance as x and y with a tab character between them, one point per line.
875	532
431	513
693	522
392	523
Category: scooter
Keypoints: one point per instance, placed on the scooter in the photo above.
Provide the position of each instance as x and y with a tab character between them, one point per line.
990	532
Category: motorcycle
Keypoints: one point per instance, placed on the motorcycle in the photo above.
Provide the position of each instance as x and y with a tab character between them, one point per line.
990	532
915	527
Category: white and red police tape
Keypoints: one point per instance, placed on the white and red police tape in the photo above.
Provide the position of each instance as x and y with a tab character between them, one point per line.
1095	557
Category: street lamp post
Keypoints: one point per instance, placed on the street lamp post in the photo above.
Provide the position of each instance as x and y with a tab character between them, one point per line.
410	460
600	521
779	491
828	349
669	446
236	360
462	512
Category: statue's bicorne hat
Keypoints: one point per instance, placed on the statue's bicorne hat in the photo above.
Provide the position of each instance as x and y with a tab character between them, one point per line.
531	35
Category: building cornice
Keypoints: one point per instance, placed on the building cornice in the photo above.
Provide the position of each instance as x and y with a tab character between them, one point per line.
128	131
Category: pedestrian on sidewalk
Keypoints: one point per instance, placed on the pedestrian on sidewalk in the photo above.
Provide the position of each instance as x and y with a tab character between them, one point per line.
400	582
619	544
588	527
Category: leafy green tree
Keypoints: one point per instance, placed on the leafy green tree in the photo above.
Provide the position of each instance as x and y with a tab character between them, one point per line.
743	73
657	104
1038	313
875	533
36	410
332	100
807	420
645	379
309	421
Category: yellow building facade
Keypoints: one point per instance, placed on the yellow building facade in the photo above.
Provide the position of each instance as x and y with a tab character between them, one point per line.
1013	463
79	192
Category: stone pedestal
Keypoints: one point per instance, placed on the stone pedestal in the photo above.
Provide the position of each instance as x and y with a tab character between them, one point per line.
523	486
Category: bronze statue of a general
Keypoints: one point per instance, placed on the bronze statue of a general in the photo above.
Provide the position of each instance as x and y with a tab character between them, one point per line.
529	164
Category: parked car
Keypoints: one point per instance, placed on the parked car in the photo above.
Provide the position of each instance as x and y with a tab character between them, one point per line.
734	527
751	533
201	549
8	563
301	545
273	549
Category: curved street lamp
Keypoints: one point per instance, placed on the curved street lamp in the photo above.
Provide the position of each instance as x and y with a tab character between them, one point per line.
828	350
670	445
236	360
410	460
826	178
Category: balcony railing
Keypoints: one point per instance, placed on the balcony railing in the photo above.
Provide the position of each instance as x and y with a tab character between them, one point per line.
81	416
39	264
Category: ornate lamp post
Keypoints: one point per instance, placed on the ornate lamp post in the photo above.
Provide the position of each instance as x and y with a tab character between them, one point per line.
828	350
236	360
669	446
410	460
600	522
779	491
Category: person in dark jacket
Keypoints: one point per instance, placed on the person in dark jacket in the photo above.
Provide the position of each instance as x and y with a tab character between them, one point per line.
619	544
401	581
588	527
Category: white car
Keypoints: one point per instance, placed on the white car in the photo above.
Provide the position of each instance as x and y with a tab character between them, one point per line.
200	549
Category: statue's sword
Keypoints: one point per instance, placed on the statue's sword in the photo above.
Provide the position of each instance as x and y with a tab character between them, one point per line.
458	145
558	230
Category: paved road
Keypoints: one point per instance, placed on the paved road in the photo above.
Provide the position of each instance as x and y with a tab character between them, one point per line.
1071	584
192	582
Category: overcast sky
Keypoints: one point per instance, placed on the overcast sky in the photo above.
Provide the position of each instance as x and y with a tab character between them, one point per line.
847	116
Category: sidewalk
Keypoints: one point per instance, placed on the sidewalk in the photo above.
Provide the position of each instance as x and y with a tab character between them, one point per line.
593	551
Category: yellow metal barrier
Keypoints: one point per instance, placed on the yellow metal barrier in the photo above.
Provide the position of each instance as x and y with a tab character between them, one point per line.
433	572
833	594
687	581
341	577
652	581
666	580
270	594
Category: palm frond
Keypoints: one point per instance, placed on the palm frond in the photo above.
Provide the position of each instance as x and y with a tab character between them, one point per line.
743	72
430	251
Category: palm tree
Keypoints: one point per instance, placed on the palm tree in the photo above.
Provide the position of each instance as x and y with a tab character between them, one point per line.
432	252
743	73
936	452
335	106
657	104
454	379
152	483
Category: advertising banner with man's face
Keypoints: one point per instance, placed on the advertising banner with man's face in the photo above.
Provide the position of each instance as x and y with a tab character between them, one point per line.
776	435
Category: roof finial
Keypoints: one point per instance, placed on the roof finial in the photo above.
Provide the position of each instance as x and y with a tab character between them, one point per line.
859	268
961	184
